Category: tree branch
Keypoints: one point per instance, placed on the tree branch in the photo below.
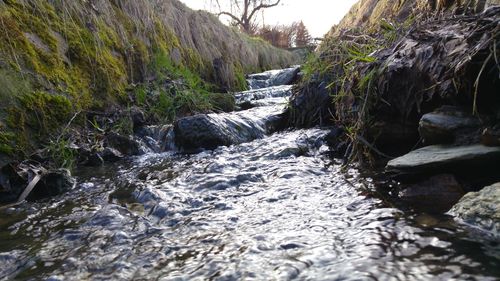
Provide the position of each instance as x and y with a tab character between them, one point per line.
239	21
263	6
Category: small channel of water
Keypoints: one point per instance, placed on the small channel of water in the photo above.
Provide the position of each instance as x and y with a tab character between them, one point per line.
276	208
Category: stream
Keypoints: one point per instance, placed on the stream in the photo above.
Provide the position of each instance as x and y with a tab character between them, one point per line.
275	208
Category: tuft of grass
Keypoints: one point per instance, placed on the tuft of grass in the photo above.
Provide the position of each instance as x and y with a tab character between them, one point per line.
61	154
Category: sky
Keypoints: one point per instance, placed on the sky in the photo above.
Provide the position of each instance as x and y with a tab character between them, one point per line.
318	15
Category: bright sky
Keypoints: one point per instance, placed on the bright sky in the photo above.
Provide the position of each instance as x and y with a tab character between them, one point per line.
318	15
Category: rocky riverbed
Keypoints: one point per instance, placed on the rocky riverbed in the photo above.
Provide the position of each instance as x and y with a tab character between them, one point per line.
237	196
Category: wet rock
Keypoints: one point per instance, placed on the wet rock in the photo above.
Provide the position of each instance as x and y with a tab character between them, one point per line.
15	178
441	158
436	194
94	159
273	78
158	138
443	125
285	77
110	155
52	183
332	138
12	183
257	84
89	157
247	97
211	131
480	209
490	137
337	142
125	145
138	117
246	105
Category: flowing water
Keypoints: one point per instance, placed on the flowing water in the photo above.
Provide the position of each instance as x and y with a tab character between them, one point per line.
276	208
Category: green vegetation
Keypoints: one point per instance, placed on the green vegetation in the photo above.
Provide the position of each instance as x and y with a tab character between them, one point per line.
61	154
62	57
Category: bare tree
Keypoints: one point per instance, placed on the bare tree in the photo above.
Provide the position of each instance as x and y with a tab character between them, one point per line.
281	36
243	12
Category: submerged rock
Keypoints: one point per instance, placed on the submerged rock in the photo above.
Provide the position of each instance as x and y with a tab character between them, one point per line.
436	194
210	131
444	125
480	209
442	158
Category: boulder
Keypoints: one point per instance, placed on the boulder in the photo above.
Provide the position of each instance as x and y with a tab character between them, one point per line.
12	183
444	125
436	194
159	138
52	183
125	145
445	158
272	78
110	155
15	178
480	209
285	77
210	131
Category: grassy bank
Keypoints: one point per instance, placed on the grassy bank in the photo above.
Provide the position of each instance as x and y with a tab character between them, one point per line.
58	58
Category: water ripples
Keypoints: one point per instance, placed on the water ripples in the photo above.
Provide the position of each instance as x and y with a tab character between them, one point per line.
276	208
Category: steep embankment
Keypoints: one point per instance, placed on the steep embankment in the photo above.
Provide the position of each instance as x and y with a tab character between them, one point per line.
368	13
418	88
62	57
395	66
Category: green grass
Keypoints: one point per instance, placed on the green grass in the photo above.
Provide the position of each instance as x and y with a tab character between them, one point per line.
61	154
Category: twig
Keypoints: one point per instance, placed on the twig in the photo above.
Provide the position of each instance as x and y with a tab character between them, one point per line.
369	145
31	185
67	125
476	84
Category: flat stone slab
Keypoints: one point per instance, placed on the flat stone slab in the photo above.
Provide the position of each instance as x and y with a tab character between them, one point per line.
448	122
480	209
444	157
442	127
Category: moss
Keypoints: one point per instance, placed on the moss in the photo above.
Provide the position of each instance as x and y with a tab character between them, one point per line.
44	111
6	142
12	85
88	58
